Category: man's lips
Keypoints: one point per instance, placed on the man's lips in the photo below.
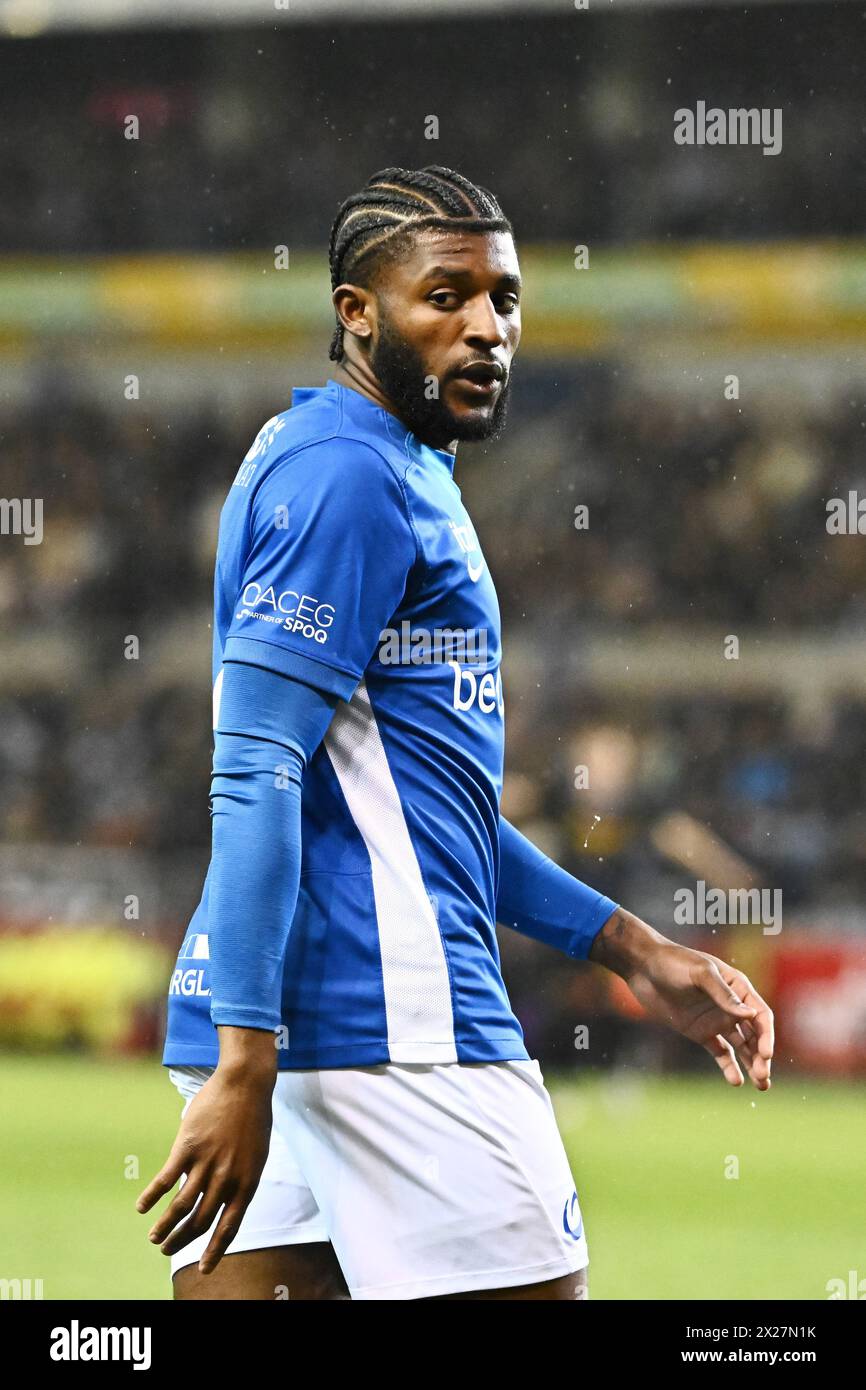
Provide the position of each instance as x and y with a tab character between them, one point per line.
483	389
481	378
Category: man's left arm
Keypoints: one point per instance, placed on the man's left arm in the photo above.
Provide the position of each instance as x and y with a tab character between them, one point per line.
699	995
539	899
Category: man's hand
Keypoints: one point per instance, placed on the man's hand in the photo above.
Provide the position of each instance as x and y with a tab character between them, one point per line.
702	997
222	1145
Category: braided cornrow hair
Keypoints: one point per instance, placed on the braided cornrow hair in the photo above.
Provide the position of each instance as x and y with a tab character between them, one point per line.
369	225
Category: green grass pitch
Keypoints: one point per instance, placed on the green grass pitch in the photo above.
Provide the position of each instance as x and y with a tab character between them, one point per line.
650	1158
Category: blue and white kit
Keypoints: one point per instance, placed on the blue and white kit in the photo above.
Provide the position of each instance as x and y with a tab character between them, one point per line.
360	862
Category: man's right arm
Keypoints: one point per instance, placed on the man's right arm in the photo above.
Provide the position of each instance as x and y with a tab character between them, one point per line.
267	729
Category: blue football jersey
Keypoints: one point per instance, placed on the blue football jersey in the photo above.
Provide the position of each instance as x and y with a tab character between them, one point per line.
346	558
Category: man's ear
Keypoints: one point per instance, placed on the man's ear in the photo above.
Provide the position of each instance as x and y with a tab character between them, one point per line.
356	311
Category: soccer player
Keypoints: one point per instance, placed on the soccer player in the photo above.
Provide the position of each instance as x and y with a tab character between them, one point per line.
362	1117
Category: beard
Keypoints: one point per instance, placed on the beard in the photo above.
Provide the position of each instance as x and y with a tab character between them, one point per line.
403	376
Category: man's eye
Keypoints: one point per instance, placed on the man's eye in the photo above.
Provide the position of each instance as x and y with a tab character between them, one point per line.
440	296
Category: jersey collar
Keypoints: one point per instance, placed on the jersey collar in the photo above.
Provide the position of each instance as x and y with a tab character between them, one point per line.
364	412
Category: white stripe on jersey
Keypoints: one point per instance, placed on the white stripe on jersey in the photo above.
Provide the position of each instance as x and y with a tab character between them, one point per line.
414	970
218	695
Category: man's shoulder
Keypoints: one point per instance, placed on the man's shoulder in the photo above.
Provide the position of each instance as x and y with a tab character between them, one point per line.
314	435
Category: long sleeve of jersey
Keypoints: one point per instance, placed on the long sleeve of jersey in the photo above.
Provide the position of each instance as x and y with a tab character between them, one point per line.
267	728
539	899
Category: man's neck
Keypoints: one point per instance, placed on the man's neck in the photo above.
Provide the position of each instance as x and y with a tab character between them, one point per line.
361	379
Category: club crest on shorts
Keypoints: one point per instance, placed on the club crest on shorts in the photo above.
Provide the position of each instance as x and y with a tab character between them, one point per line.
570	1216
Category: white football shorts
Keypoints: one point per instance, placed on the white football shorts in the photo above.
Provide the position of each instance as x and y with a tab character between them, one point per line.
426	1179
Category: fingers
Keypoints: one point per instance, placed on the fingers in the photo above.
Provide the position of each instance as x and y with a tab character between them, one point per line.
712	982
757	1065
742	986
743	1039
170	1173
203	1215
762	1023
724	1055
179	1209
759	1029
227	1229
194	1210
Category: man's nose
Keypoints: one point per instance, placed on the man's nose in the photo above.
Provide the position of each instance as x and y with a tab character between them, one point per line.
484	324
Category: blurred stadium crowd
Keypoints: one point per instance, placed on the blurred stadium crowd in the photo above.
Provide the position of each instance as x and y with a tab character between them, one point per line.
694	515
248	139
